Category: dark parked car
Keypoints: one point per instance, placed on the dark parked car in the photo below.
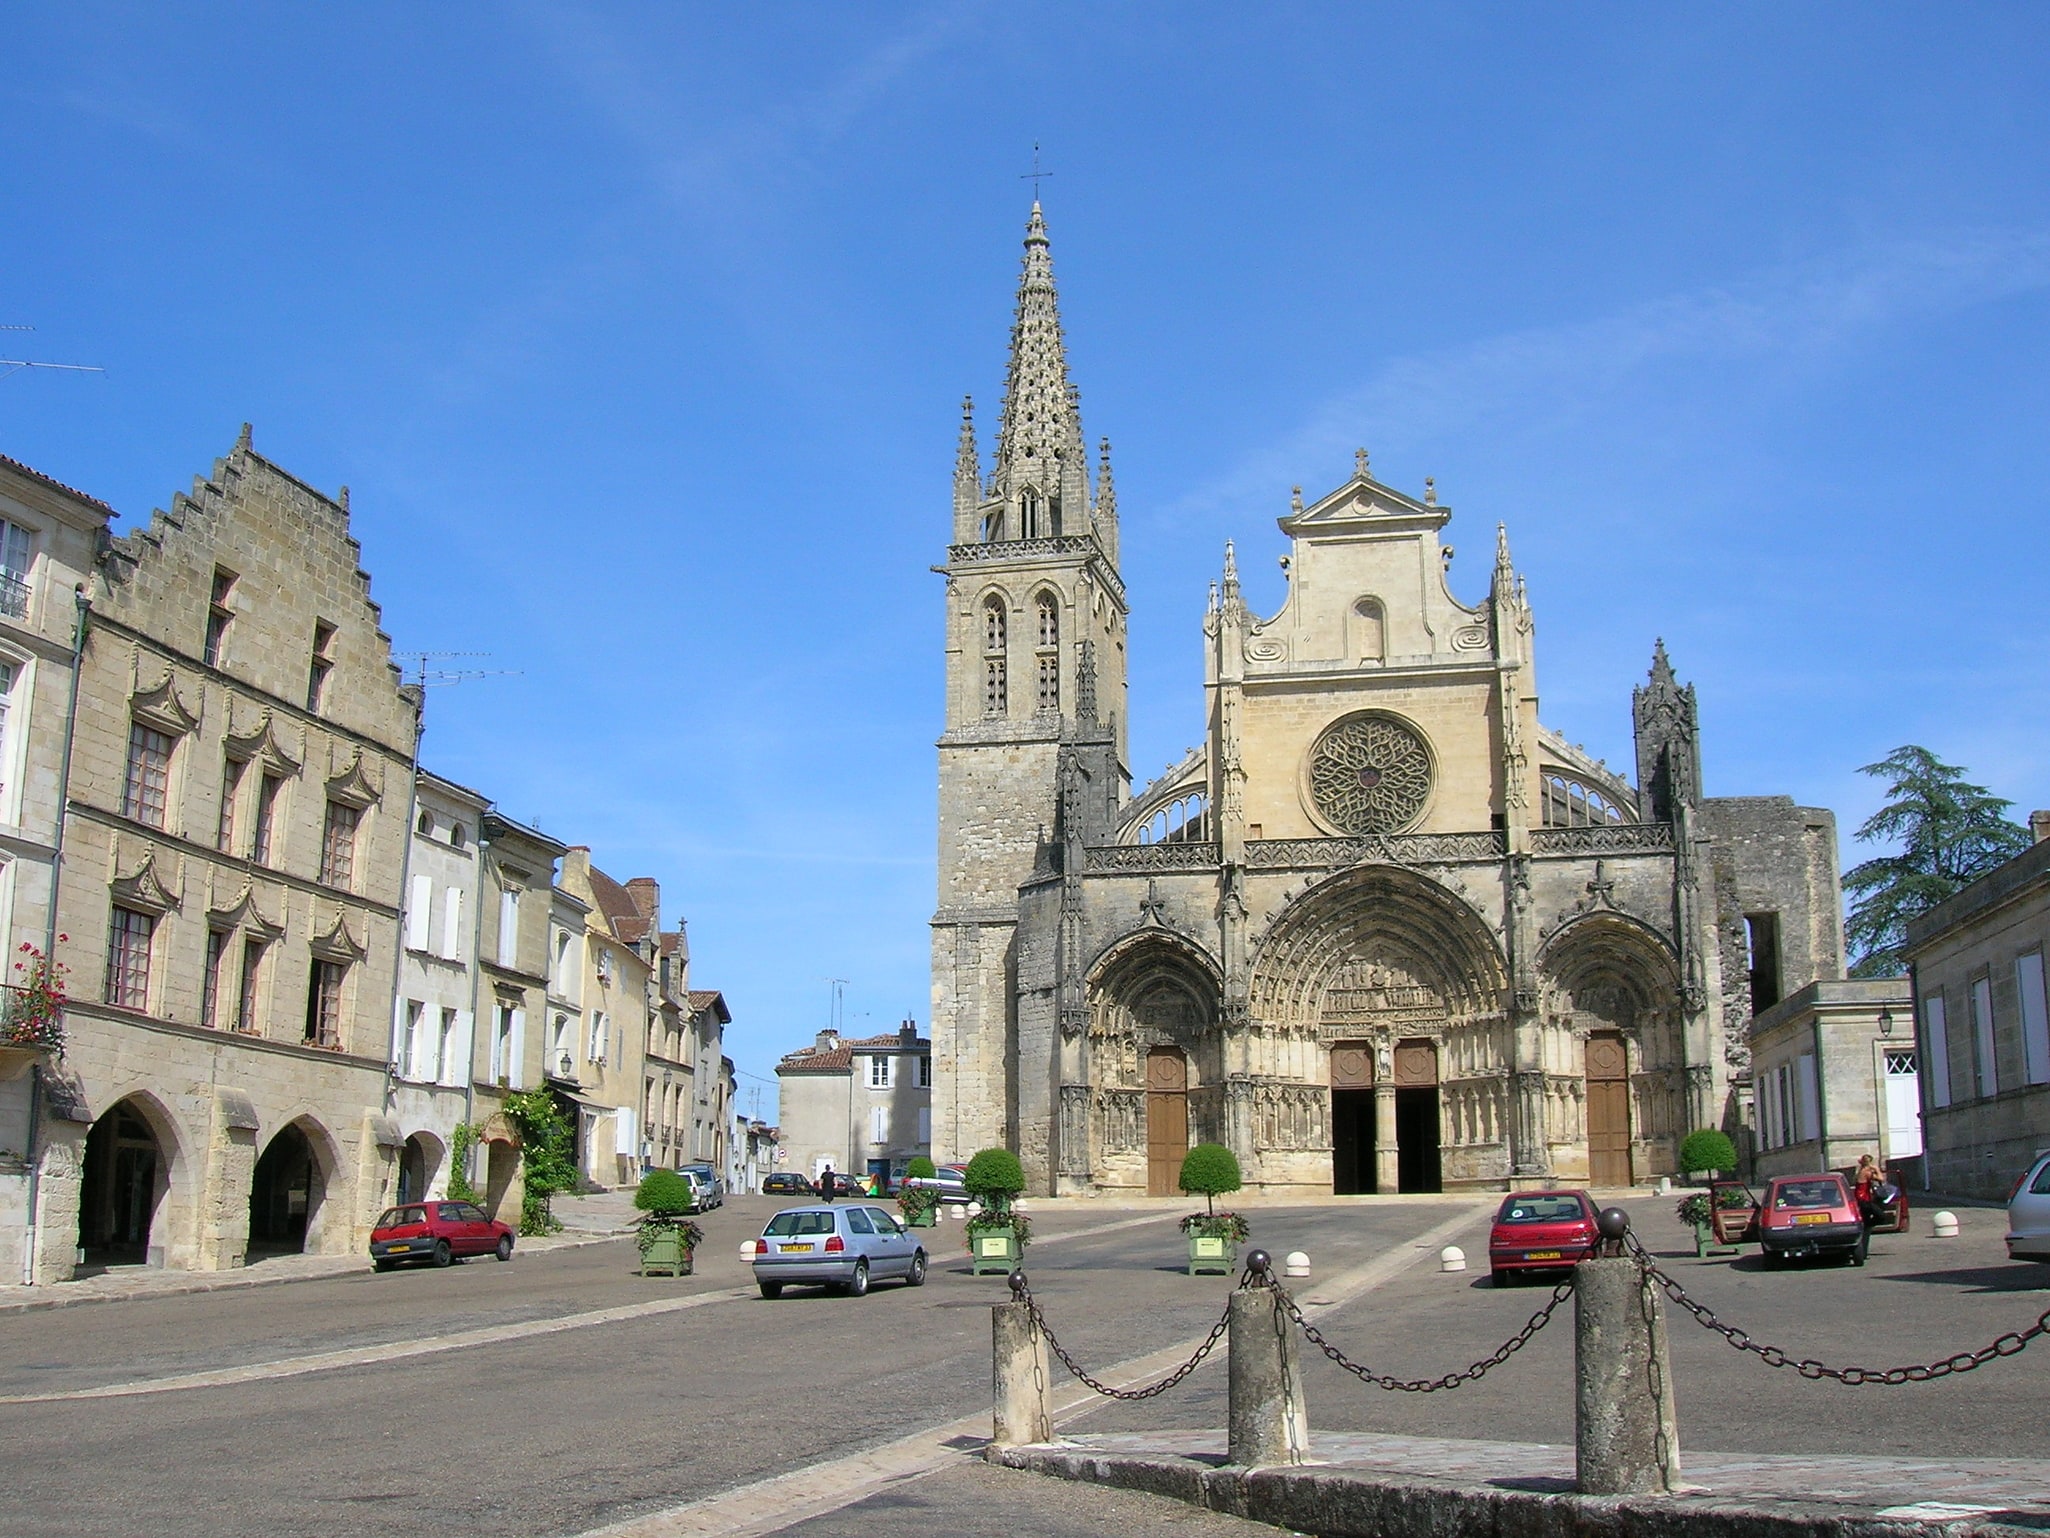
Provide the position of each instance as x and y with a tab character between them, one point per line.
435	1233
1540	1231
787	1183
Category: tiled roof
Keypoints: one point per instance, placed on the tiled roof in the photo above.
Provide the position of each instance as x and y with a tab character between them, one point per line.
710	998
840	1059
617	904
56	485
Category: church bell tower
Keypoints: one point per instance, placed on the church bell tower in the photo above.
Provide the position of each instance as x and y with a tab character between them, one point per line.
1035	696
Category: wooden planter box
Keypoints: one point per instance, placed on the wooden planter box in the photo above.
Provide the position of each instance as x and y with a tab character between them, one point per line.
926	1219
994	1251
666	1255
1214	1255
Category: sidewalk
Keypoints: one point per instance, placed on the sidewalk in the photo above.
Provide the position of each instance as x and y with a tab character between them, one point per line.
585	1220
1431	1487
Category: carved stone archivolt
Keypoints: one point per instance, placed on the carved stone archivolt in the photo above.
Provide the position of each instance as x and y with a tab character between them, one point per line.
1369	772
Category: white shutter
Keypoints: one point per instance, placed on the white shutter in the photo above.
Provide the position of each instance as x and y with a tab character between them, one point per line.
623	1139
877	1124
1807	1109
2028	982
508	927
516	1070
1982	1036
418	919
452	925
925	1126
1936	1050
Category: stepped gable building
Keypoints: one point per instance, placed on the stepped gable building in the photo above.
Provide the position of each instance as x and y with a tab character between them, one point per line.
1384	930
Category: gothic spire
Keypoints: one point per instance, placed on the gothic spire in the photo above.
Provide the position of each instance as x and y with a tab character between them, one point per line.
1106	505
1041	470
967	477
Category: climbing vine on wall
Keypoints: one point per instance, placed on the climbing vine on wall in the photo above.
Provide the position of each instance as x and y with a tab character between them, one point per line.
546	1143
460	1142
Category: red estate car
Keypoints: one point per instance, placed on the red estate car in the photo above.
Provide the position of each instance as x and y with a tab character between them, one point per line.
436	1233
1540	1231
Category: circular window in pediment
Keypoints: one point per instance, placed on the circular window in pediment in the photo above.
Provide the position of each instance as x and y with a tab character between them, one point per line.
1368	773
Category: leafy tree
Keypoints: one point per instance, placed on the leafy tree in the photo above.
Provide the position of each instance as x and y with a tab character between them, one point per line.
665	1192
1949	832
1707	1149
920	1168
1209	1170
995	1176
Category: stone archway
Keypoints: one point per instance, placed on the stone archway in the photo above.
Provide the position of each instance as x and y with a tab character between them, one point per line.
1153	1010
419	1163
289	1191
125	1186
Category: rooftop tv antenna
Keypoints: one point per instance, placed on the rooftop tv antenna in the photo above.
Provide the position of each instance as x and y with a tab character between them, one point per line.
420	674
15	365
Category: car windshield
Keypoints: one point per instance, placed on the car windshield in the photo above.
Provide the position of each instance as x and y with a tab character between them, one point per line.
1796	1194
398	1217
784	1224
1540	1209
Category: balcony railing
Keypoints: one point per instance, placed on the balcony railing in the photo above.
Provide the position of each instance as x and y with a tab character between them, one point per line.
13	595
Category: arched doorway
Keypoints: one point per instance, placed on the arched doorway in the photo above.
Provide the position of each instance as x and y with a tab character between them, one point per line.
1352	1118
1167	1119
1608	1110
1416	1116
419	1160
127	1175
501	1164
284	1194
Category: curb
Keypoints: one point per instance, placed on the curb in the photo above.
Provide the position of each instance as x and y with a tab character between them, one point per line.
229	1281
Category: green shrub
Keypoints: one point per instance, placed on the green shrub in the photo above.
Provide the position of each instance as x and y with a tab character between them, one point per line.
993	1177
1209	1170
547	1149
920	1168
1707	1149
664	1192
461	1141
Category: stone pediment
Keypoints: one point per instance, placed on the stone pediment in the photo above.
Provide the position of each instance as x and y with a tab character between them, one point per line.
262	745
1358	504
241	912
337	944
145	889
160	706
353	786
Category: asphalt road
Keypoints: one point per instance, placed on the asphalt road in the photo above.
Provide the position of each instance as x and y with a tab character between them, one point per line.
557	1433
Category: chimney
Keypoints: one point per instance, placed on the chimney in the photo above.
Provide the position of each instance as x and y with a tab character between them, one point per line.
907	1033
2039	826
647	895
828	1040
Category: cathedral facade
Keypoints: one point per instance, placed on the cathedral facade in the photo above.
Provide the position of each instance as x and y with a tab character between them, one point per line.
1384	930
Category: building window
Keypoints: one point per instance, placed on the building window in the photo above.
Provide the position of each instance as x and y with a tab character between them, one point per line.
508	926
878	1125
601	1028
1049	653
502	1054
17	554
410	1046
1367	625
266	817
1982	1036
148	786
245	992
232	771
128	946
10	673
879	1073
452	925
1570	804
324	1004
321	665
419	912
1936	1049
925	1073
219	615
210	978
995	684
338	844
1762	939
447	1055
2028	987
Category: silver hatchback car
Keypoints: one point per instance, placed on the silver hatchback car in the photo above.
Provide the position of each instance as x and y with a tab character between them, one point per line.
2028	1213
836	1246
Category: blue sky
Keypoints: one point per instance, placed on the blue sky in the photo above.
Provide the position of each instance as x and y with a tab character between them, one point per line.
639	333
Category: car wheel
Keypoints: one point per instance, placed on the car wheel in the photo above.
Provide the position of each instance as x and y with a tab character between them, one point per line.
505	1247
857	1284
1861	1249
383	1265
915	1277
771	1289
1501	1276
442	1253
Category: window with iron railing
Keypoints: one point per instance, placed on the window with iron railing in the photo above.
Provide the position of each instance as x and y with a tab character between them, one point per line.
17	556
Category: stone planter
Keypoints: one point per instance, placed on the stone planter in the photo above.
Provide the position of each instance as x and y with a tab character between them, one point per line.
994	1251
666	1255
1213	1254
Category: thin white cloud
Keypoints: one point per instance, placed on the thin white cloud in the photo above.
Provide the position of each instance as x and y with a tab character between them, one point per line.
1793	315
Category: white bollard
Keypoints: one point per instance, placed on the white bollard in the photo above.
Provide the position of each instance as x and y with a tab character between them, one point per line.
1943	1225
747	1251
1452	1258
1665	1185
1297	1264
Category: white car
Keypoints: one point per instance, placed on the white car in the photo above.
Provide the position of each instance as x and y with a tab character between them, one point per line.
2028	1213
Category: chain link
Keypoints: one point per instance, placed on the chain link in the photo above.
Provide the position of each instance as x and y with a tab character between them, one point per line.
1024	1294
2013	1343
1478	1370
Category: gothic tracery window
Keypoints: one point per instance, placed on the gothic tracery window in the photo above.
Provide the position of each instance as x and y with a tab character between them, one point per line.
1049	653
995	684
1570	804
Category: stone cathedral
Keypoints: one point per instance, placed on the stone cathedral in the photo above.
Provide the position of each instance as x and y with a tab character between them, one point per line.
1384	930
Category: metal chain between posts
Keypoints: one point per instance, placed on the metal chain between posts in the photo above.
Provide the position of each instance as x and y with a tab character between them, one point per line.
2013	1343
1021	1291
1478	1370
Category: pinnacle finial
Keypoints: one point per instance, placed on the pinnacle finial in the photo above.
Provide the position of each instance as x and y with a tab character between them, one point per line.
1502	546
1359	463
1295	499
1661	665
342	499
1430	491
242	438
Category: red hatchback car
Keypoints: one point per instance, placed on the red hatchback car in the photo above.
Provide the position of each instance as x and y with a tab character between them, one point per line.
1540	1231
435	1233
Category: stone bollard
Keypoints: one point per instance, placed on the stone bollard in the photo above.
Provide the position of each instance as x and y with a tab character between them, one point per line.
1268	1424
1297	1264
1022	1391
1943	1225
1628	1438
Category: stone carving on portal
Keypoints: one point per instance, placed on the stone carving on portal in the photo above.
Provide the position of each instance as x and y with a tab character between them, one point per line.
1369	772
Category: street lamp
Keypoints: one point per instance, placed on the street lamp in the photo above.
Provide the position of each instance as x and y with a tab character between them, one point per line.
568	1065
1885	1021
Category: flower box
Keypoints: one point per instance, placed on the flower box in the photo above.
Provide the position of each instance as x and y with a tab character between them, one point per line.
665	1251
994	1250
1212	1253
928	1217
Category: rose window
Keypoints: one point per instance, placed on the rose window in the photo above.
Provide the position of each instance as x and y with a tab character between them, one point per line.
1370	774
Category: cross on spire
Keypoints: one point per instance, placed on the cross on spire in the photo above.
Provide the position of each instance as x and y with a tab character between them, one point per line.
1035	175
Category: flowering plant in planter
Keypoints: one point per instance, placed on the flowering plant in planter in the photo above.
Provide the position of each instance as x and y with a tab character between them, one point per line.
34	1015
1016	1224
666	1236
1228	1226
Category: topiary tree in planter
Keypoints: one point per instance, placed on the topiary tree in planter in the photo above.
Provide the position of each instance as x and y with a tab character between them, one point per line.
1707	1152
1210	1170
997	1236
667	1236
915	1202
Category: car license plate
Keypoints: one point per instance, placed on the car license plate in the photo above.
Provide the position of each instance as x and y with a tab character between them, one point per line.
395	1248
1542	1255
1811	1217
794	1249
